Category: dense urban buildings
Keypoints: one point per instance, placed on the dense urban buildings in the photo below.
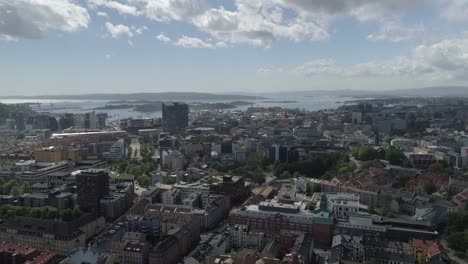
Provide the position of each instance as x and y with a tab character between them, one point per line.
375	181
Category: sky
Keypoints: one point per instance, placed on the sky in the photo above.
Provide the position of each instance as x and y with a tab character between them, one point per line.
230	46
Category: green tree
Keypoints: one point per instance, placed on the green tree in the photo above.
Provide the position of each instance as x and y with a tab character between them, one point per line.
54	214
403	180
15	191
9	185
35	212
23	211
457	241
146	153
45	212
430	187
437	168
129	152
313	188
144	180
76	212
366	153
255	161
258	176
344	168
67	215
395	156
285	175
25	188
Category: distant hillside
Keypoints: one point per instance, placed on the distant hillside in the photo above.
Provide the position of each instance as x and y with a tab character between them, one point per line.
436	91
141	96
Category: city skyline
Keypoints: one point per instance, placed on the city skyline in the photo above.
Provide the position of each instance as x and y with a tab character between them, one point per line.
235	46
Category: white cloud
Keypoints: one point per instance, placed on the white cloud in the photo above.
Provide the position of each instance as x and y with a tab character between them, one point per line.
163	38
117	31
122	9
456	10
192	42
108	56
444	60
168	10
189	42
139	30
262	22
221	44
130	43
102	14
33	18
362	10
393	31
258	23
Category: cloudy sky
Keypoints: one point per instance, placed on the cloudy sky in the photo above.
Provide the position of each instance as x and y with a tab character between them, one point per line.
89	46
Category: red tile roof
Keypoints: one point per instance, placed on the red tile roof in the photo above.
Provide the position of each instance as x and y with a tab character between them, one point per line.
44	257
18	249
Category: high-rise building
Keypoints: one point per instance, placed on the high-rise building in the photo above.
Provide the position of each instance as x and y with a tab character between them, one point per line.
19	121
175	116
90	121
79	121
66	121
101	120
91	186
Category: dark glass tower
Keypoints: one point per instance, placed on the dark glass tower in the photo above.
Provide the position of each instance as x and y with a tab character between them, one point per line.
175	116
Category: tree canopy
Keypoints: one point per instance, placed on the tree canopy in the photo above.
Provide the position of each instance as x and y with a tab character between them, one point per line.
365	153
395	156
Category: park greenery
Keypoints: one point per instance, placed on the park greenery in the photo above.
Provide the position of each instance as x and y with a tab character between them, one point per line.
141	169
395	156
316	167
50	213
144	180
456	233
430	187
365	153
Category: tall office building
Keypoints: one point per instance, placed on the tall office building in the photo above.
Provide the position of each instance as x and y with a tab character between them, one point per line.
175	116
101	120
66	121
91	186
90	121
19	121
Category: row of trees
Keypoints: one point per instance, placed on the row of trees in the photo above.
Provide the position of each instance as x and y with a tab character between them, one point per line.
367	153
14	187
50	213
312	168
457	231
